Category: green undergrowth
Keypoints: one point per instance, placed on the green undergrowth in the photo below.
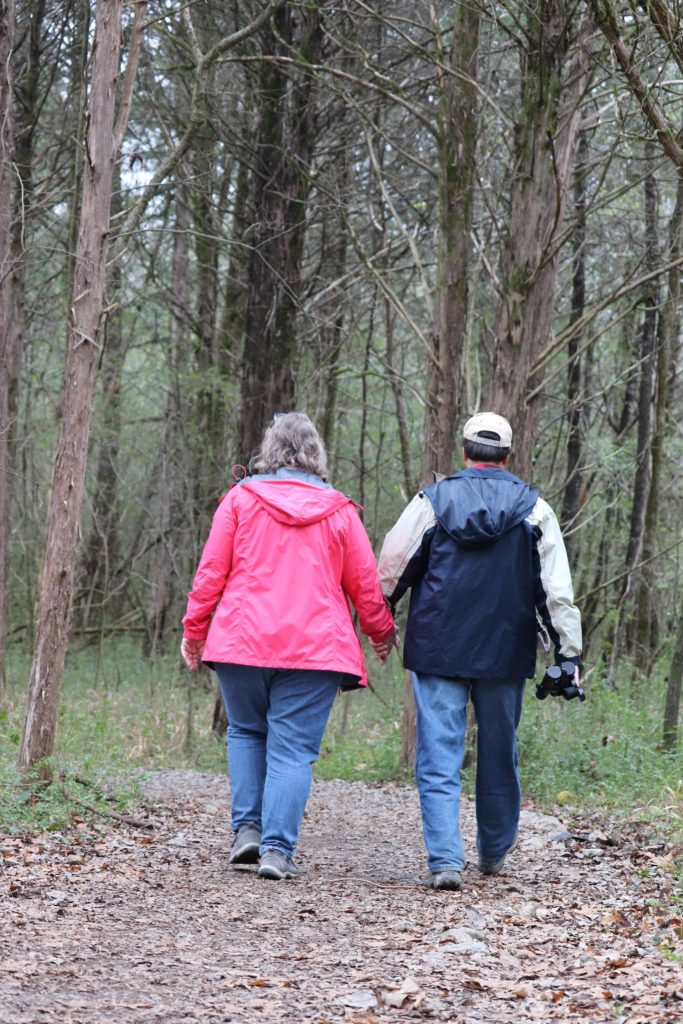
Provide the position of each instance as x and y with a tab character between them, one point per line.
605	753
363	736
120	713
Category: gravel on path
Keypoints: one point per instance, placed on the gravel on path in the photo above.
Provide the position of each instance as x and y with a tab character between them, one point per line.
106	922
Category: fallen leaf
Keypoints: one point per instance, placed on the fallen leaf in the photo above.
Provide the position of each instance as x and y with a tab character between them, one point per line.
363	1000
408	989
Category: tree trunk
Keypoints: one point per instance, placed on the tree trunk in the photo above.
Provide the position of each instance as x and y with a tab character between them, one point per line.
607	17
284	147
168	561
668	330
77	88
591	613
646	378
85	318
673	693
408	719
9	356
207	421
231	327
575	397
544	148
330	312
457	145
399	402
102	547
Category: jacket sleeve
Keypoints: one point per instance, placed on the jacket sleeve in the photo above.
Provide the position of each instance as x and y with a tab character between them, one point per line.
404	554
554	593
360	582
214	569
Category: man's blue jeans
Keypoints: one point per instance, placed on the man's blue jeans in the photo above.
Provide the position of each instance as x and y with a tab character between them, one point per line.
276	720
441	726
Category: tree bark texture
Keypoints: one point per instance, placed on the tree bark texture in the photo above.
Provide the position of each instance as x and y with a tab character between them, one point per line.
672	705
207	419
605	14
646	380
78	92
330	310
544	149
170	556
408	721
396	381
666	18
457	146
284	146
9	356
231	327
575	398
668	330
101	552
82	356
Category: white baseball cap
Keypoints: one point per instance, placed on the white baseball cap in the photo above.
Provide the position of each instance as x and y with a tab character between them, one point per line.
488	428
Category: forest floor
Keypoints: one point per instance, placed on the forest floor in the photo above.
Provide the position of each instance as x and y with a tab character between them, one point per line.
113	921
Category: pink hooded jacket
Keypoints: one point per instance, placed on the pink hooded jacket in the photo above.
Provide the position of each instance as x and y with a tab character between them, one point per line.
281	561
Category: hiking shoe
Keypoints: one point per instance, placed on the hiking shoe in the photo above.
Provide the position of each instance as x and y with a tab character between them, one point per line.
492	867
447	879
275	865
246	845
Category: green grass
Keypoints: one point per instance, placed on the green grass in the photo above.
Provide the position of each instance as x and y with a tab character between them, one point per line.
363	736
120	713
605	752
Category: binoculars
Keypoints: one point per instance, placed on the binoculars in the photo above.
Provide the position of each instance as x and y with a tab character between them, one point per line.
558	681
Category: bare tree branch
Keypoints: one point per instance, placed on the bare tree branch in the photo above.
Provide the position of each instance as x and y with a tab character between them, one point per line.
605	15
196	118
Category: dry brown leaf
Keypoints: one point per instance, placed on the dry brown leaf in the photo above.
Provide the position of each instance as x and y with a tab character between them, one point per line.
409	990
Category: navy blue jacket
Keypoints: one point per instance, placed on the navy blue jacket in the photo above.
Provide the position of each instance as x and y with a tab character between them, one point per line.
476	580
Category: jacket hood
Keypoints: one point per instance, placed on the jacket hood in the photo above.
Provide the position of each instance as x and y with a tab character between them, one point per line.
294	502
477	506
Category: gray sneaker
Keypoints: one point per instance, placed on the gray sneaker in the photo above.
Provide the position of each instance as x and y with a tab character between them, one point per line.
447	879
275	865
246	845
492	867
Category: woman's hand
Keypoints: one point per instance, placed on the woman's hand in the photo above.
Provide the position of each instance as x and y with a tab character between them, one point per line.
382	648
191	651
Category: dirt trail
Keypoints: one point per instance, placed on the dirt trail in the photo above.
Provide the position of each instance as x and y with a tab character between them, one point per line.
114	923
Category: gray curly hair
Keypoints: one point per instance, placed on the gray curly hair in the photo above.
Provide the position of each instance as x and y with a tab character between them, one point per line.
292	441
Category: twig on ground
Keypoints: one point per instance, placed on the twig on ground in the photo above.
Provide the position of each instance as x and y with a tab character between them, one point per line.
126	819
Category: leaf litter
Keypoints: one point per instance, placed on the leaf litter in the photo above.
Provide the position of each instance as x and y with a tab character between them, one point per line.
104	922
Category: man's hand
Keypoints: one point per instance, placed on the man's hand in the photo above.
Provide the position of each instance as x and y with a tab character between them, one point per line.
383	647
191	651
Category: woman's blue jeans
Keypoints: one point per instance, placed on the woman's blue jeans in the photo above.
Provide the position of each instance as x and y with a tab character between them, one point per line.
441	726
276	720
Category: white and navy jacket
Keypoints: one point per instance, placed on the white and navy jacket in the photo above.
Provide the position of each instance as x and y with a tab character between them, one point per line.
485	560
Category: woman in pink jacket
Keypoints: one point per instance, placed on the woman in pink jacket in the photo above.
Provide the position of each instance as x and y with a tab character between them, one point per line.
269	608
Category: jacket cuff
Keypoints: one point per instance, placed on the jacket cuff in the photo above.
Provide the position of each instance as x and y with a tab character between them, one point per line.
387	634
194	634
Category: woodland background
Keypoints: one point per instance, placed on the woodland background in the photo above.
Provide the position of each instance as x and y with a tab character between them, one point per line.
387	214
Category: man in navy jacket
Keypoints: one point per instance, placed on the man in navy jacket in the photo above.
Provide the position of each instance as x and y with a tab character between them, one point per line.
485	561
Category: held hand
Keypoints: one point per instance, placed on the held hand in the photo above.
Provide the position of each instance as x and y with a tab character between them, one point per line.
382	648
191	651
